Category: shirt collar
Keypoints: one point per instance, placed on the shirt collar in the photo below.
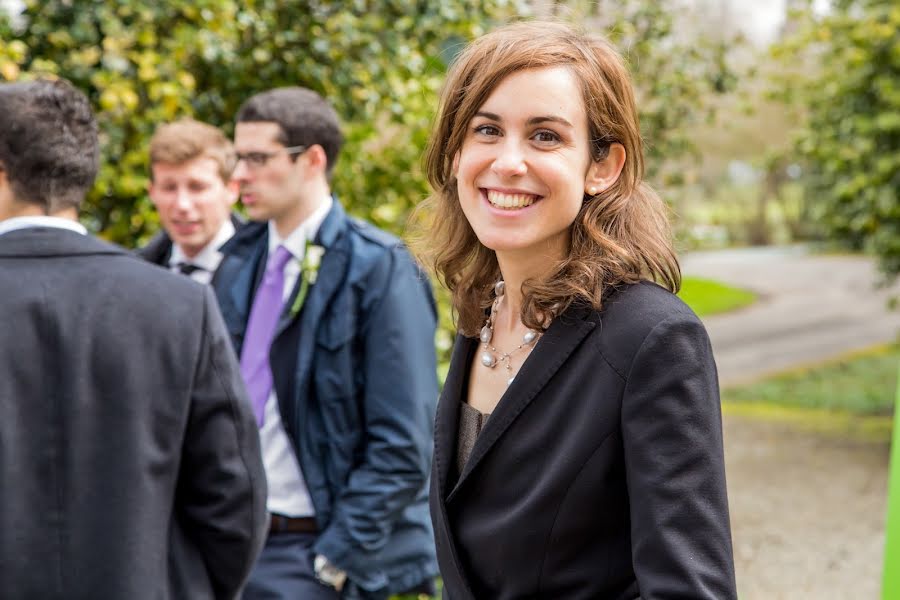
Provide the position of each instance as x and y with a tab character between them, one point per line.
295	242
209	257
41	221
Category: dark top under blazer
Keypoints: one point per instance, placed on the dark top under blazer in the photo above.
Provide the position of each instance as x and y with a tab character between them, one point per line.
600	473
122	408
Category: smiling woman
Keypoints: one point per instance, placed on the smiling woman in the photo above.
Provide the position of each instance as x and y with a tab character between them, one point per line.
578	442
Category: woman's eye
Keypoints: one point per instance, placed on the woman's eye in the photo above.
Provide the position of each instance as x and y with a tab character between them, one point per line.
546	137
487	130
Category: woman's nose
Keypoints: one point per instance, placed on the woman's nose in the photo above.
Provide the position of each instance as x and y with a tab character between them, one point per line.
510	162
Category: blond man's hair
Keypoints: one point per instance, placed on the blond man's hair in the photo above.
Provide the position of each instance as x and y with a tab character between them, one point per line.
186	139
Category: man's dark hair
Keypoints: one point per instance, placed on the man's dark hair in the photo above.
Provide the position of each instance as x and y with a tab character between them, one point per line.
303	117
48	143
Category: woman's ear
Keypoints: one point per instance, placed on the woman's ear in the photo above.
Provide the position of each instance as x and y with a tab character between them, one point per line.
602	174
455	166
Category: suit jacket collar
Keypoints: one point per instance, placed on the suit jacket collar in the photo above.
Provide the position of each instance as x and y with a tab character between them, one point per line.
330	275
559	341
52	242
159	249
250	246
247	238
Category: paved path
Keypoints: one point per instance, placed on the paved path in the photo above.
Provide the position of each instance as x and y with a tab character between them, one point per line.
811	308
807	509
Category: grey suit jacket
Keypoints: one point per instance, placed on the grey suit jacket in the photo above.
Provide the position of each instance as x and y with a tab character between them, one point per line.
123	412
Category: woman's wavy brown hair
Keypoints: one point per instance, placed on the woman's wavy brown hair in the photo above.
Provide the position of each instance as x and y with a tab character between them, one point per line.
620	236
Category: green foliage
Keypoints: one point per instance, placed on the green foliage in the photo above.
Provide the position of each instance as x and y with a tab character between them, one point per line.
380	62
143	62
677	75
707	297
863	383
850	137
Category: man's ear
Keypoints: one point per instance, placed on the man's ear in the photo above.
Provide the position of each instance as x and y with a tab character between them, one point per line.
602	174
315	158
6	197
4	179
151	191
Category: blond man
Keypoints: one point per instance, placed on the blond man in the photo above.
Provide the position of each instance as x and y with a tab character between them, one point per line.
190	171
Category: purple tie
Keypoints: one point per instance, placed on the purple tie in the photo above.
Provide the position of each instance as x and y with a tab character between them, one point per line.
264	315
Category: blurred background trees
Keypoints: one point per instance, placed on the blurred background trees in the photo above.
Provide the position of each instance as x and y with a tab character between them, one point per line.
380	62
848	139
782	137
145	62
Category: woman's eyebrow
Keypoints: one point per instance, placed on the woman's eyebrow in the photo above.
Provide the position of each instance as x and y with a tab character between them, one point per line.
531	122
550	118
488	115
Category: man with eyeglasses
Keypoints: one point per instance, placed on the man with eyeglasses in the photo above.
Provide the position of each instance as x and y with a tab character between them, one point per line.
334	325
190	172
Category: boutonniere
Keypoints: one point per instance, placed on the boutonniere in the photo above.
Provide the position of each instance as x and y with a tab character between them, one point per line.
309	272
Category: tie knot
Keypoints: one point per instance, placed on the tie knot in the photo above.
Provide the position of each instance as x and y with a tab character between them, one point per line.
187	268
277	261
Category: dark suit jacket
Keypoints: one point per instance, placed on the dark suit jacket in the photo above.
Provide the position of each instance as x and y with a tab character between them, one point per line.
159	249
600	473
121	406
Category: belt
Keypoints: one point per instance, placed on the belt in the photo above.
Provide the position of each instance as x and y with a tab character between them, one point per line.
283	524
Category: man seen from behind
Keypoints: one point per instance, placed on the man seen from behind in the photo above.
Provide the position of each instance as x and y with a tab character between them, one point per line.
123	409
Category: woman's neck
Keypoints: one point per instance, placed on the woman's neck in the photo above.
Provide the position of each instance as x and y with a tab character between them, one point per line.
515	271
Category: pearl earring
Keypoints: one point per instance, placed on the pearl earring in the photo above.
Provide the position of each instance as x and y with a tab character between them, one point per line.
592	190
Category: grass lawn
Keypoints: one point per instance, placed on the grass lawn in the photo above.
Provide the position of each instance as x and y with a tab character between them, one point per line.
707	297
862	383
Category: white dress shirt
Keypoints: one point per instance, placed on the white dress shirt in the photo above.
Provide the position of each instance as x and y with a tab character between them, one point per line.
207	259
288	494
15	223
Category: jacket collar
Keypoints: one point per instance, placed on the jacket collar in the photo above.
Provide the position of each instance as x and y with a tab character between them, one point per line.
246	239
159	249
563	336
246	252
330	273
52	241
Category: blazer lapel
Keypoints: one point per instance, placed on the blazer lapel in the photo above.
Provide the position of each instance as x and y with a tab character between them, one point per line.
446	422
237	276
331	275
563	336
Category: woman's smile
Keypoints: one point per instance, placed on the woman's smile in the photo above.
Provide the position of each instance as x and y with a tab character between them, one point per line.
509	201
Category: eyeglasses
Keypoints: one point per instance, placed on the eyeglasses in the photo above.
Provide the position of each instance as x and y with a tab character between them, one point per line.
255	160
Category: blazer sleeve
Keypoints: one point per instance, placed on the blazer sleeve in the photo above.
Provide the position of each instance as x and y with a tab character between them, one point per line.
400	395
672	437
222	486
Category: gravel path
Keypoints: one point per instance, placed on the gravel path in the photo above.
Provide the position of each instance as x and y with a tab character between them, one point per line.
807	509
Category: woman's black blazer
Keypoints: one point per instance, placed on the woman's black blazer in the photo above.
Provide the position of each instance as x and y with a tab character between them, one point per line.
600	473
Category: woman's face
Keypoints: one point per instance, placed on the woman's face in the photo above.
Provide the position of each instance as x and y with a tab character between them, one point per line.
525	164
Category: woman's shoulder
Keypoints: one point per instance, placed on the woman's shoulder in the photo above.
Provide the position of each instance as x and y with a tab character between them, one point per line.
630	312
644	302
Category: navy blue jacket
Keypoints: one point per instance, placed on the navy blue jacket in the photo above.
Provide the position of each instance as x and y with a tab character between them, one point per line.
356	381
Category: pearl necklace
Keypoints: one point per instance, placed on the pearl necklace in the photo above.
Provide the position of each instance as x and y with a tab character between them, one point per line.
489	353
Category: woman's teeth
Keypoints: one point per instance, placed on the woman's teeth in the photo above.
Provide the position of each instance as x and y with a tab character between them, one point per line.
501	200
